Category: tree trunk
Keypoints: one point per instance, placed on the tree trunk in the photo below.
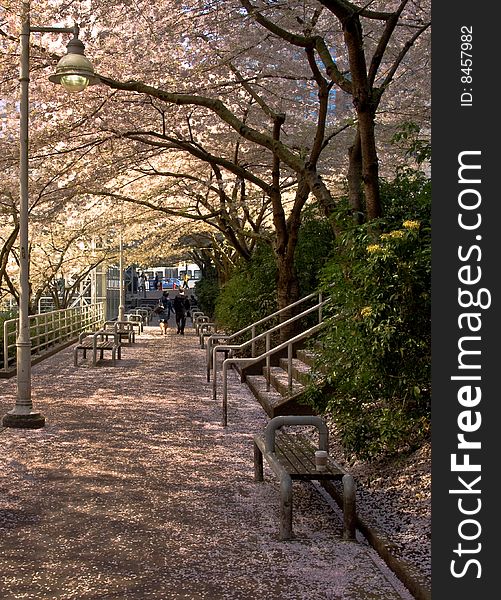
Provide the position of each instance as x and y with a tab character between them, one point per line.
370	167
287	292
355	193
365	106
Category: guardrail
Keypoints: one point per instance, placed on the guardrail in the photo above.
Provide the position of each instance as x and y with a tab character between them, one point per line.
289	344
266	355
267	336
50	330
219	338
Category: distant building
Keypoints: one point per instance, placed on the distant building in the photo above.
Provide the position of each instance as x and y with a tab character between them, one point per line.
172	277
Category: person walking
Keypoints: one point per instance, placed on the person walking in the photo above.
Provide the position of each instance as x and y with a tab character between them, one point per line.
186	278
167	304
181	305
141	285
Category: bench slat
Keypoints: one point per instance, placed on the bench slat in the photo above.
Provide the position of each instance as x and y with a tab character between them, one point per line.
297	455
303	447
87	344
97	341
295	462
332	466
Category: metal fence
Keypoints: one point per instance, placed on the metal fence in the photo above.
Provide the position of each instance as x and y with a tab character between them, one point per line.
50	330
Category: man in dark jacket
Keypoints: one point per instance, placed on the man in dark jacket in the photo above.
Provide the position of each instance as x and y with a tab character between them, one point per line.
181	305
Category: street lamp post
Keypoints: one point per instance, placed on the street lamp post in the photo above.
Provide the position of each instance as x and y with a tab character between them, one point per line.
121	306
74	72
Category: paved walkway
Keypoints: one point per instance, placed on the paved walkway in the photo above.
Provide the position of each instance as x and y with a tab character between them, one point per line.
133	490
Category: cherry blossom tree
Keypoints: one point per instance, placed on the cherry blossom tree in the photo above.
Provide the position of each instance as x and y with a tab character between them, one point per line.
229	115
371	64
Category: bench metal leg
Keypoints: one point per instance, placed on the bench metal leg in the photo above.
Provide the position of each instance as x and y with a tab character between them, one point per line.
349	507
285	532
75	357
258	464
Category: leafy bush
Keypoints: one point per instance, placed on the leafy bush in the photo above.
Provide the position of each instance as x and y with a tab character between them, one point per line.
206	292
376	355
250	293
315	242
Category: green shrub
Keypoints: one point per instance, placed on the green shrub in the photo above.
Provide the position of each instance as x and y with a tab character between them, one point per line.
207	292
250	293
315	242
375	361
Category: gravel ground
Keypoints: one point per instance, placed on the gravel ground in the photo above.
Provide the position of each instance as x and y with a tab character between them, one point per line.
401	490
394	499
133	490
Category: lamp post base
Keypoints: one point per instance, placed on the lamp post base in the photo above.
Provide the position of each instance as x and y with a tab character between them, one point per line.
32	420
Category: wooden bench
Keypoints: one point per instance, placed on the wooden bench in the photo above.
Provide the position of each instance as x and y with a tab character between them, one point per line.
198	320
143	313
291	456
136	320
98	341
146	313
125	330
205	329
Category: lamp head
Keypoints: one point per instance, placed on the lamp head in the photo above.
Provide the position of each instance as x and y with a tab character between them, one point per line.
74	72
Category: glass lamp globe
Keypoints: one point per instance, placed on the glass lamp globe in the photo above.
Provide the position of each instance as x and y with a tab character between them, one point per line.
74	83
74	72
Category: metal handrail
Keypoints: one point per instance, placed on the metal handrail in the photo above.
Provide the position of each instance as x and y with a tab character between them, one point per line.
266	355
265	334
252	328
51	329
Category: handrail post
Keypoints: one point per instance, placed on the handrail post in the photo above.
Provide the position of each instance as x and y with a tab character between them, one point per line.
46	332
266	355
5	346
320	317
253	338
208	357
268	362
225	393
289	368
214	373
